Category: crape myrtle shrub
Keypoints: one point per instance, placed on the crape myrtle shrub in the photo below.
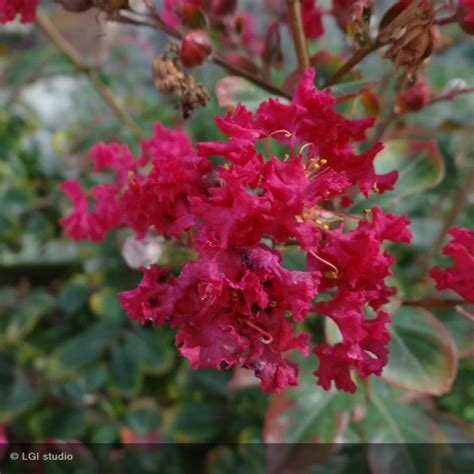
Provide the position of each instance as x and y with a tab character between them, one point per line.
287	255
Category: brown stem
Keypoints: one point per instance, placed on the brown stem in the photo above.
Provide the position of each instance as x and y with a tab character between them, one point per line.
299	38
450	95
384	125
220	61
355	59
434	302
158	24
105	92
446	20
395	115
458	202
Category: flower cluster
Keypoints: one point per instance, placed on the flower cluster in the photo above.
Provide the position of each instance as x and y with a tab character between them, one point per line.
9	9
236	304
459	276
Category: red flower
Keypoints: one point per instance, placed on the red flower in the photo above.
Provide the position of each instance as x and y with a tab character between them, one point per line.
91	224
311	119
9	9
458	277
236	304
368	356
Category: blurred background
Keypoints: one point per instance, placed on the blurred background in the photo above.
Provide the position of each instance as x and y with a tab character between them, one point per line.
74	368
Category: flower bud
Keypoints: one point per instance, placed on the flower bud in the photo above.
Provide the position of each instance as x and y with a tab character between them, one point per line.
414	98
75	6
465	17
195	48
224	7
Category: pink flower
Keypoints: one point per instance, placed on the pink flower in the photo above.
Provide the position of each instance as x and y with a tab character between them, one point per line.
9	9
459	276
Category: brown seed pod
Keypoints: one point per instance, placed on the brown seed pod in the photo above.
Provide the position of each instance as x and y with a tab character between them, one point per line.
169	79
409	36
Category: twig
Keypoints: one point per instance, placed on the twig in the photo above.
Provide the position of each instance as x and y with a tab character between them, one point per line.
220	61
158	24
458	202
464	313
450	95
296	22
355	59
395	115
434	302
446	20
384	125
68	50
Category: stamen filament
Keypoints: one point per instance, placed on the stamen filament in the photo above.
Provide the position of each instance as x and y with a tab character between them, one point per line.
325	261
266	337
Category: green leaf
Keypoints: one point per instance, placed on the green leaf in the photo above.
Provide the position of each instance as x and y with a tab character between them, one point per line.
404	431
105	303
420	164
104	434
461	330
142	417
234	89
294	259
27	316
59	423
125	375
18	396
193	422
306	414
150	348
73	297
422	354
87	346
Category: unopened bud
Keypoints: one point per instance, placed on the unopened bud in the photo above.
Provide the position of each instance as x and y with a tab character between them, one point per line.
465	19
195	48
224	7
414	98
